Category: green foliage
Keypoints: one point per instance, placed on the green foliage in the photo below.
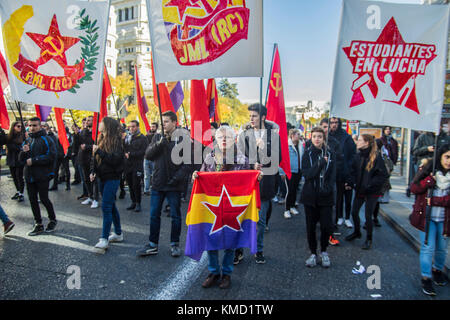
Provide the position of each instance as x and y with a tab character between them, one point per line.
227	89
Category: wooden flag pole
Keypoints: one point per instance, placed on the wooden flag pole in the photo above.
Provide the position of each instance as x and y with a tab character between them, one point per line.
20	114
73	119
184	114
10	106
430	192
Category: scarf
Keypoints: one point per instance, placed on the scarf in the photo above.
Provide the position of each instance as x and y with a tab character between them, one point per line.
443	182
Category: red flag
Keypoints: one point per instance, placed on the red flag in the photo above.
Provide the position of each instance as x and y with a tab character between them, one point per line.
62	134
140	100
164	95
4	118
212	100
199	113
276	111
106	92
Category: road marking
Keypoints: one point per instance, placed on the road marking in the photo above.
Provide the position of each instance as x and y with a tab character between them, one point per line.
180	280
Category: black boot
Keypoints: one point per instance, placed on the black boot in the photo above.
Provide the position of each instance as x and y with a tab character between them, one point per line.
132	207
138	208
67	186
353	236
122	194
54	188
367	244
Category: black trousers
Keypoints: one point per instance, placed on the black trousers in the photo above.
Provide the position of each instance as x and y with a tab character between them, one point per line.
17	175
343	197
292	192
371	203
324	216
64	164
77	175
92	187
134	181
40	188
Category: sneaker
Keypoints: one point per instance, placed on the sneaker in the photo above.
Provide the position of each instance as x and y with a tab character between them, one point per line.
210	280
115	237
266	229
175	251
51	226
376	223
287	214
7	227
325	260
238	256
21	198
439	277
340	222
82	197
259	258
87	201
311	262
102	244
38	229
294	211
147	250
333	242
16	196
275	199
427	287
281	201
94	204
348	223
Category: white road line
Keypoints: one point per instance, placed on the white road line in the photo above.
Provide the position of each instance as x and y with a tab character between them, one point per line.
180	280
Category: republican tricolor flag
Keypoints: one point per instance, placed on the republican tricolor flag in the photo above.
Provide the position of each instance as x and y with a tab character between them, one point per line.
213	100
141	102
223	212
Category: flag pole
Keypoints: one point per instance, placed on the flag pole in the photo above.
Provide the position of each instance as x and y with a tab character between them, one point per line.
10	106
275	46
160	112
430	192
73	119
184	114
113	98
20	114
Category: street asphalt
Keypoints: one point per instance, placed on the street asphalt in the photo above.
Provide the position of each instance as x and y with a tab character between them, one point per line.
37	267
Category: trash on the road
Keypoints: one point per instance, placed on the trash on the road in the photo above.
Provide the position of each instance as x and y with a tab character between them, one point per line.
103	286
359	269
375	296
122	281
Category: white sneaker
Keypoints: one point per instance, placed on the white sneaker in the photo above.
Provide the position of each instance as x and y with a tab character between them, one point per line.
348	223
102	244
340	222
87	201
281	201
294	211
275	199
287	214
115	237
94	204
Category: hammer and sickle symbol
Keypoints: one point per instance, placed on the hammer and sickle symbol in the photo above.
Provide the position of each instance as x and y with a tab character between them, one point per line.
58	51
278	87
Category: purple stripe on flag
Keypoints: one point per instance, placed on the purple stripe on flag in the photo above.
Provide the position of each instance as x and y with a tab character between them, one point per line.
144	104
177	96
199	240
212	108
45	112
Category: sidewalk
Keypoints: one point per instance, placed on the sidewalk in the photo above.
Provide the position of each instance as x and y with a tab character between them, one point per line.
397	212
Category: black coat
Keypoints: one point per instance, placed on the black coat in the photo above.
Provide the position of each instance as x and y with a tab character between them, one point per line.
318	191
2	138
167	176
368	183
84	156
43	155
59	147
136	148
13	146
110	166
347	150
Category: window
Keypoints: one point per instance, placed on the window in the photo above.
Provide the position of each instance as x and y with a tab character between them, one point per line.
130	67
119	69
108	63
132	13
120	15
126	14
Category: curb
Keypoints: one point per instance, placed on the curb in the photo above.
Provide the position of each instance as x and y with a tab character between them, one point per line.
406	235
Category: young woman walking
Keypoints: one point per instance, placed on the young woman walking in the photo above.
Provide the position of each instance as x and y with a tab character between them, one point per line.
14	146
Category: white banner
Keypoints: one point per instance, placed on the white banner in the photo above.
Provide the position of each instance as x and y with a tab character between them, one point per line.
55	51
391	64
199	40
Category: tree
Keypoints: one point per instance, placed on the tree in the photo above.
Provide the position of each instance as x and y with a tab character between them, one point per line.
123	85
227	89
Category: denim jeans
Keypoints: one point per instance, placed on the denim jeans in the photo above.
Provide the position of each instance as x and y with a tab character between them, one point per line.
111	215
3	216
265	205
227	262
437	246
148	169
156	202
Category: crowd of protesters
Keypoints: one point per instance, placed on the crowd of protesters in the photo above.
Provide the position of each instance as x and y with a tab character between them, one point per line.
333	174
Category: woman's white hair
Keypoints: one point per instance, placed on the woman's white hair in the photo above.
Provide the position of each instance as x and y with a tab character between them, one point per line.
227	130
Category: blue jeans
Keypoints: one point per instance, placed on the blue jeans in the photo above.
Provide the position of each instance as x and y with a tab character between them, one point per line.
148	169
3	216
156	202
437	246
227	262
265	205
108	190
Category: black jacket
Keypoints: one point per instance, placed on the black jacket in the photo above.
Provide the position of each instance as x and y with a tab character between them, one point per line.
13	146
3	137
371	182
110	166
84	156
320	177
347	152
59	147
136	147
247	141
167	176
43	155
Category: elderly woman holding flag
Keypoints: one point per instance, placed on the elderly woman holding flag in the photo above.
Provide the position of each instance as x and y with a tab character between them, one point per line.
225	157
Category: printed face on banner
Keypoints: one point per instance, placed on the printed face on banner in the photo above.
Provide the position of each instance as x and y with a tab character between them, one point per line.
200	39
390	70
201	32
55	51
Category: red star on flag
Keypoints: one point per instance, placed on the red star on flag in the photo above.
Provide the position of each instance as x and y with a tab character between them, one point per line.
53	45
227	214
182	6
388	67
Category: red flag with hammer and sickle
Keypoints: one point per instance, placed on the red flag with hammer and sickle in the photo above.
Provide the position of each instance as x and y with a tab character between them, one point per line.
276	112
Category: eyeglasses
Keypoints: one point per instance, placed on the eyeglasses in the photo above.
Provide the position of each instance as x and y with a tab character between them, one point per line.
19	126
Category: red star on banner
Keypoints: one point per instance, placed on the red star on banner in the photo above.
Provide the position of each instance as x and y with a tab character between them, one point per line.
53	45
227	214
182	6
388	67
